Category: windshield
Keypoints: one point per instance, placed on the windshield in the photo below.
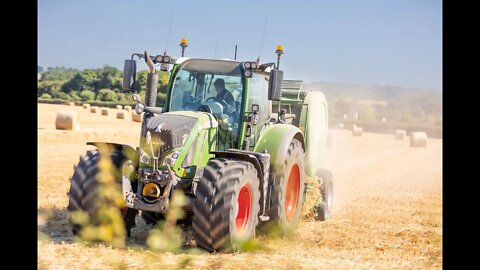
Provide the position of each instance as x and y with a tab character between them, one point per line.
214	86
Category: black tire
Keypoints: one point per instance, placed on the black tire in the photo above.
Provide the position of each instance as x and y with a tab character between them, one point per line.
324	207
84	185
217	208
287	217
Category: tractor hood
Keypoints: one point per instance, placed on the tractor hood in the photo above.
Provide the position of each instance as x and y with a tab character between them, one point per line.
176	132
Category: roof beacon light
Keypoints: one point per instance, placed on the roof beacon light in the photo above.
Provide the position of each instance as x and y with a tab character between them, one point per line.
183	44
279	52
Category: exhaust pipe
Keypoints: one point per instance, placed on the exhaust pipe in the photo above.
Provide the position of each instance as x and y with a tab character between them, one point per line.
152	83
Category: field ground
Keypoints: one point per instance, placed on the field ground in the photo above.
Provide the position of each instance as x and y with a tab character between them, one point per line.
387	208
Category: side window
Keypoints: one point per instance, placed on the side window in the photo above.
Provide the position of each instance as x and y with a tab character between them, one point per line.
258	94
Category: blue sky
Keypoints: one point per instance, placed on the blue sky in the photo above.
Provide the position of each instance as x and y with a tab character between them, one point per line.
395	42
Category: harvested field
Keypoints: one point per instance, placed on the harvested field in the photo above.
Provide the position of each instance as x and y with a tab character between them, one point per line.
387	210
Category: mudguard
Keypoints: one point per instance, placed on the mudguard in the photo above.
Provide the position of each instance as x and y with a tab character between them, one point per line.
128	151
276	140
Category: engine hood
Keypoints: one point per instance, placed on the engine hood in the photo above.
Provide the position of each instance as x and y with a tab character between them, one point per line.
176	130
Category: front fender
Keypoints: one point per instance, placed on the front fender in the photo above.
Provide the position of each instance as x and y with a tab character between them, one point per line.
276	140
128	151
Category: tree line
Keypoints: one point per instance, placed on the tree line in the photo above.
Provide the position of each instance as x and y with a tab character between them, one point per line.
101	84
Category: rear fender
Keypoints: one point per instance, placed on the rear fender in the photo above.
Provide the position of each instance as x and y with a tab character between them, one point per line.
276	140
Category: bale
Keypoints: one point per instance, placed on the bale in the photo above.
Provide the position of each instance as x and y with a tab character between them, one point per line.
340	125
137	117
67	120
418	139
86	106
357	131
128	108
122	114
104	111
400	134
71	103
119	107
94	109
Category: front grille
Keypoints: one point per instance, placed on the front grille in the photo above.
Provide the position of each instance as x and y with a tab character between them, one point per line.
168	132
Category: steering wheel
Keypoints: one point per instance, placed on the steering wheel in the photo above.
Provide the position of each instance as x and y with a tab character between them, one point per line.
221	101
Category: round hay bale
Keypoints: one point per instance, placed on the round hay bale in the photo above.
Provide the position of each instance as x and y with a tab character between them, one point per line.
67	120
128	108
119	107
71	103
418	139
137	117
340	125
86	106
357	131
94	109
104	111
122	114
400	134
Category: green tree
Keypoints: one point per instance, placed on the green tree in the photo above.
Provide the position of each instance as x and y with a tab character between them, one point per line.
85	80
58	74
87	95
49	87
106	95
109	77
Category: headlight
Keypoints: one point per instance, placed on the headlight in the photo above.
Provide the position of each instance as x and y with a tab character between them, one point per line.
254	65
247	64
144	158
248	73
171	158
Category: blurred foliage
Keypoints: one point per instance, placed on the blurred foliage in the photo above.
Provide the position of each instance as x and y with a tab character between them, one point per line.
92	84
167	236
106	223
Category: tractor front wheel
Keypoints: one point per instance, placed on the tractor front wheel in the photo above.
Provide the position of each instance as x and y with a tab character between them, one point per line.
227	204
84	185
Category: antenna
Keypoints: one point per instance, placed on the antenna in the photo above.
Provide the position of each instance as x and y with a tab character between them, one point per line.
168	33
235	58
263	38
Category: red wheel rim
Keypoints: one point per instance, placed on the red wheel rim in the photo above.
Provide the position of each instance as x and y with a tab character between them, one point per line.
292	192
244	208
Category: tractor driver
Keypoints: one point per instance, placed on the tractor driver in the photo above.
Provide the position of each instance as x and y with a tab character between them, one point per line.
224	95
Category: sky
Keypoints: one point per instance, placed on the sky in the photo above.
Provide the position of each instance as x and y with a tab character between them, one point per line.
395	42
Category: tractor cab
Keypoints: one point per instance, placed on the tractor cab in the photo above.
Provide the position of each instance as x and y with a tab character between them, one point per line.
193	89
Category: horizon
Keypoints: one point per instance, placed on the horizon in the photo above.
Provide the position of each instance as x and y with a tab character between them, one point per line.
369	43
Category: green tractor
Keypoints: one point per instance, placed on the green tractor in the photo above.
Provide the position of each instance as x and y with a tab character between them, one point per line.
241	164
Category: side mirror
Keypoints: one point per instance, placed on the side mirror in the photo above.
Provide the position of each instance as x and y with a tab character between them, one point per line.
275	85
129	74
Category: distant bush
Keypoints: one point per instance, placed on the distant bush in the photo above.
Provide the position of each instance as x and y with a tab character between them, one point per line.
46	96
62	95
87	95
75	96
106	95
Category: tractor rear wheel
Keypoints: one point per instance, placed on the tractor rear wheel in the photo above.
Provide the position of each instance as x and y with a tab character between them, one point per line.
323	208
227	204
287	191
84	185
